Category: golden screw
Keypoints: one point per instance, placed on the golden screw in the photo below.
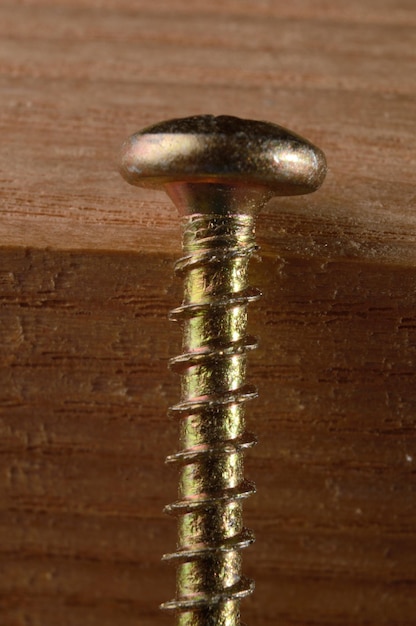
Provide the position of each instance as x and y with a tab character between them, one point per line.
219	172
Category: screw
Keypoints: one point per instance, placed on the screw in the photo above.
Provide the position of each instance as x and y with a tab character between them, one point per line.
219	172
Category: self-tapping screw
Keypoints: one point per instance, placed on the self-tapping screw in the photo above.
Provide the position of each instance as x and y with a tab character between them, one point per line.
219	172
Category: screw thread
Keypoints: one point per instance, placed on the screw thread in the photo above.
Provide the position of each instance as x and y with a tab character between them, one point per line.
212	420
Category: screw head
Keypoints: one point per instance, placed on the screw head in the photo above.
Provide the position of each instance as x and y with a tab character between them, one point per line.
223	150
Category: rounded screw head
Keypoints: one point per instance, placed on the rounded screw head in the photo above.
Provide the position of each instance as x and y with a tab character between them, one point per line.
223	150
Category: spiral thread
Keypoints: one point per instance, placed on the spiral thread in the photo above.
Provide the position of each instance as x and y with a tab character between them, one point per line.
211	413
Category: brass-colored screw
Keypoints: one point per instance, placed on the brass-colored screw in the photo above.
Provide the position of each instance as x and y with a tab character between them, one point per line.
219	172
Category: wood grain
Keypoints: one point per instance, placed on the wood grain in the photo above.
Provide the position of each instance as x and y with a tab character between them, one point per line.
86	283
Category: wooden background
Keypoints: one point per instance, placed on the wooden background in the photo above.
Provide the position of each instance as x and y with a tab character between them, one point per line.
86	283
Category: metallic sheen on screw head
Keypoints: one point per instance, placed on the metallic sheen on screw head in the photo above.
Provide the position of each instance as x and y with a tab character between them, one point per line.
224	150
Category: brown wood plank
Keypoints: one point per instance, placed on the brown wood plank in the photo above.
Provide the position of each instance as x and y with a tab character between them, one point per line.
86	283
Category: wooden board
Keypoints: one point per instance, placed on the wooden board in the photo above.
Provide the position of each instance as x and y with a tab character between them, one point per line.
86	283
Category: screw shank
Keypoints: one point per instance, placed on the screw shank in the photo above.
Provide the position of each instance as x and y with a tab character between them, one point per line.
212	420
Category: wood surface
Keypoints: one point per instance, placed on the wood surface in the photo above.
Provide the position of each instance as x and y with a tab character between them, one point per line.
86	283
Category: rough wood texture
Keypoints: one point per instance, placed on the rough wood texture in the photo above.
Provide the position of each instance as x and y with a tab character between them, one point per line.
86	283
